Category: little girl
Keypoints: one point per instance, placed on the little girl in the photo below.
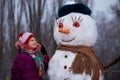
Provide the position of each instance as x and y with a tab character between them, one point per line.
29	64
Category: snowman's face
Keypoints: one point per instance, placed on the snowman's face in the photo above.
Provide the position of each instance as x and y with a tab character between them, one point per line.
75	29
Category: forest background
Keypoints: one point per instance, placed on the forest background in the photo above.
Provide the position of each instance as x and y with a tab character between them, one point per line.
38	16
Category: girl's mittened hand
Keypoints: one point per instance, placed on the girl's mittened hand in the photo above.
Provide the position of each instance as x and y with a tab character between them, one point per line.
46	59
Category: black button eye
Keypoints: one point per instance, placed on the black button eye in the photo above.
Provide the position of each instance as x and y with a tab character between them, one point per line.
66	56
65	67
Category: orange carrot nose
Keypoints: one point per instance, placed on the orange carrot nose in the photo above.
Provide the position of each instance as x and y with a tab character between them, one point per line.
65	31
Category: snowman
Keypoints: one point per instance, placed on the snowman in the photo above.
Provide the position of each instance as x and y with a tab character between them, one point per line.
75	33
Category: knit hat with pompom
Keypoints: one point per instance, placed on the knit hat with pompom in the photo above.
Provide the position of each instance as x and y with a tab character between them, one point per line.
25	37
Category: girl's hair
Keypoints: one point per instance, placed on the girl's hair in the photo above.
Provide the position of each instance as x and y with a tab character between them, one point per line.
43	50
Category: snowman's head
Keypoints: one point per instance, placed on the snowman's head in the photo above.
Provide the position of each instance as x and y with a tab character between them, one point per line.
75	28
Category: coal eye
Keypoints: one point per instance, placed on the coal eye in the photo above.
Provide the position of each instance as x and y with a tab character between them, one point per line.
60	25
76	24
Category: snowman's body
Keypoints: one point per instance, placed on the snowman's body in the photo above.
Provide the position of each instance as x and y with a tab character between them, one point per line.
83	33
59	67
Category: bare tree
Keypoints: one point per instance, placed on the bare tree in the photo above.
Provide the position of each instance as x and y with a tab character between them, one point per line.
2	39
108	44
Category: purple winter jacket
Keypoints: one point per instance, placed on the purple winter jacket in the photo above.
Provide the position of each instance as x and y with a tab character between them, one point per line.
24	68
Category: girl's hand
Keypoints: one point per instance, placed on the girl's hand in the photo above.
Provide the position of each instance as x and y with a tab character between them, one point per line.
46	61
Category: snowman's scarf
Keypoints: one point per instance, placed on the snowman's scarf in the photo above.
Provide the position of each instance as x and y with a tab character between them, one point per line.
85	61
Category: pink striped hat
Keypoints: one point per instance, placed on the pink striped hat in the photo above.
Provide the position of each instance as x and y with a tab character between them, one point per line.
25	37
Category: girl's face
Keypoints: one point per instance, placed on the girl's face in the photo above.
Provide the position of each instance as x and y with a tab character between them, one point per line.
32	43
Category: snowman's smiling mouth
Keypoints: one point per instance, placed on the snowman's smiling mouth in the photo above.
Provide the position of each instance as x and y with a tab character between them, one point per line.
68	40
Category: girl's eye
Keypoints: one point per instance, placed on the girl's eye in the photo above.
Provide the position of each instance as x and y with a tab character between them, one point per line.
31	40
60	25
76	24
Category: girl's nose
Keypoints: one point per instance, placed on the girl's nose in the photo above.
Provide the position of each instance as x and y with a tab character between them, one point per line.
65	31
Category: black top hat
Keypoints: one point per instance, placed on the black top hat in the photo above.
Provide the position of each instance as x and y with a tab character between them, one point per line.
77	7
